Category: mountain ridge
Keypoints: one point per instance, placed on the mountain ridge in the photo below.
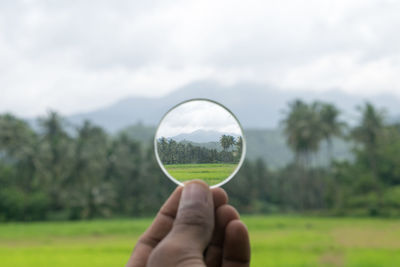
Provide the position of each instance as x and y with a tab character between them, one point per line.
256	106
201	136
265	144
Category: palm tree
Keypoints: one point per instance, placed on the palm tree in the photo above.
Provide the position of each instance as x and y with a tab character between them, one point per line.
302	130
239	145
162	147
90	194
56	159
226	141
172	151
231	140
331	126
18	143
367	133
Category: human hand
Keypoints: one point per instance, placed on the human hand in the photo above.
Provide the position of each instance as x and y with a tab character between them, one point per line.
194	227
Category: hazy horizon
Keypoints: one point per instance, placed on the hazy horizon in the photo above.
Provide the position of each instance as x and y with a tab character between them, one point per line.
299	92
187	136
197	115
67	57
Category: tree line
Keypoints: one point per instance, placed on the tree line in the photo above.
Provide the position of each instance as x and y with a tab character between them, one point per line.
185	152
367	185
59	171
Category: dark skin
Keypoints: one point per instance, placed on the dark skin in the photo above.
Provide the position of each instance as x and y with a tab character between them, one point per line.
194	227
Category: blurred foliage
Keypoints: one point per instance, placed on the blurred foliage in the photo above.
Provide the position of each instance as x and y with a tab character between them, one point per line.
61	171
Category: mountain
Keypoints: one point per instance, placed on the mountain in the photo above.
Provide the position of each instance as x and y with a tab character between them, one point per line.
201	136
256	106
268	145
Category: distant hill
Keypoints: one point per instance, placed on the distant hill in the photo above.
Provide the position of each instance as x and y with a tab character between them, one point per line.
201	136
259	108
210	145
269	145
256	106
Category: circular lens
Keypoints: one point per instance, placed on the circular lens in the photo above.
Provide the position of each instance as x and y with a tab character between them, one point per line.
200	139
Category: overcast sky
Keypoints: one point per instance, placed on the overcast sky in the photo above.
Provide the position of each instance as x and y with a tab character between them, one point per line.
197	115
76	56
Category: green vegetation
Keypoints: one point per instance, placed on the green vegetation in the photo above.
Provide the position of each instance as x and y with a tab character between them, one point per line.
267	144
58	171
186	152
307	125
187	161
276	241
210	173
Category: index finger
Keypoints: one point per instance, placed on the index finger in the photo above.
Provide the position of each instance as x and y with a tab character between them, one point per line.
236	245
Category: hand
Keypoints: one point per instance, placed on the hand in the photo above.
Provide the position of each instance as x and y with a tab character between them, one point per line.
194	227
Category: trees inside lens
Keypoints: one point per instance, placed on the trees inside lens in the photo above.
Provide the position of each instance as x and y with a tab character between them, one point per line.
199	139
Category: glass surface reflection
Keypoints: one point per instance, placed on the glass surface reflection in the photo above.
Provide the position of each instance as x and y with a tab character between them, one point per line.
200	139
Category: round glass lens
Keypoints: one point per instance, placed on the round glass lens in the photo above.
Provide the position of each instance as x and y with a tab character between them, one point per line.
200	139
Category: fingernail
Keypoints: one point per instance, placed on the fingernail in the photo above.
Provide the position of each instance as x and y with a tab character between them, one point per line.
195	192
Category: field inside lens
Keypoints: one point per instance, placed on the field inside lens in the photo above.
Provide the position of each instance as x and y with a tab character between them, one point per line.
189	157
211	173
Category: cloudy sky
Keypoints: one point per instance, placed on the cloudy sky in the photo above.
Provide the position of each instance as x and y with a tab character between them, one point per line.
197	115
76	56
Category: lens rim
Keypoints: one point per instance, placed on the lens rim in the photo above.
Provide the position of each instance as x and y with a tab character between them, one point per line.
244	145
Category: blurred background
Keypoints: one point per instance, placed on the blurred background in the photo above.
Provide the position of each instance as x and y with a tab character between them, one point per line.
315	84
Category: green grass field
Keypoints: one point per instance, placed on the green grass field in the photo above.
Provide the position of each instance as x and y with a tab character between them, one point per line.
276	241
211	173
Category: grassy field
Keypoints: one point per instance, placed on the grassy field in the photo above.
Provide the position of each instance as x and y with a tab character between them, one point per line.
276	241
212	174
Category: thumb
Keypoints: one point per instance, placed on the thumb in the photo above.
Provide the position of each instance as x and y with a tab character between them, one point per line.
191	231
194	223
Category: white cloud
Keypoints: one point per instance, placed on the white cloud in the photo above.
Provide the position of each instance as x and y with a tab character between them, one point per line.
347	70
79	55
197	115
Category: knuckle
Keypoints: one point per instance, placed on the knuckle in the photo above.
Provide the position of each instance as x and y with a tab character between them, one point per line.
194	216
172	253
172	248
